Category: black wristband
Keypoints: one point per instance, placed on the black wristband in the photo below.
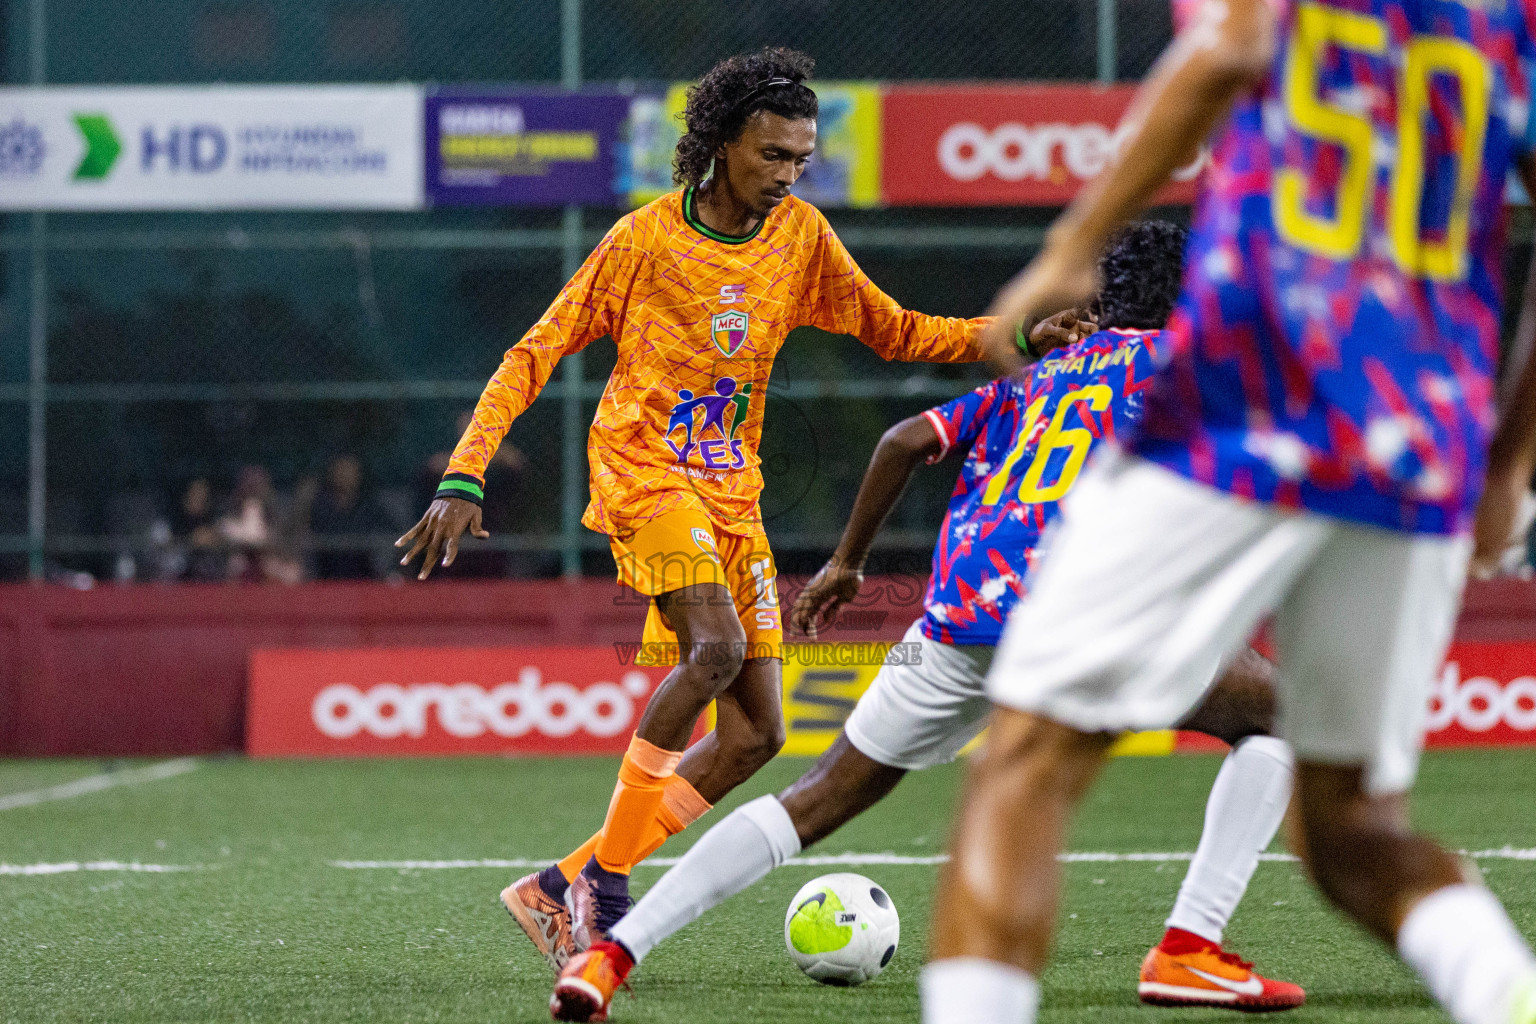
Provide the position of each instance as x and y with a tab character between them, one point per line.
462	486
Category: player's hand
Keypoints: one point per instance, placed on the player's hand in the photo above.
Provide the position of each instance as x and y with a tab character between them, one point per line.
1059	278
1060	330
833	586
1504	515
439	531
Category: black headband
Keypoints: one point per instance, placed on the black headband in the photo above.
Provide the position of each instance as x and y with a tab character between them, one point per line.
760	88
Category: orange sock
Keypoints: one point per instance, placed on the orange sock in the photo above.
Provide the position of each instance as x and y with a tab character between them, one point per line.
636	802
681	806
571	866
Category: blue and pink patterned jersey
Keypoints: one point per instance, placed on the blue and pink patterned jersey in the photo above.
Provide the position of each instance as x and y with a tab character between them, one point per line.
1335	345
1027	442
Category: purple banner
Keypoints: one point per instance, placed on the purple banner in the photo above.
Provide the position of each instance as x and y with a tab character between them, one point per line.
523	149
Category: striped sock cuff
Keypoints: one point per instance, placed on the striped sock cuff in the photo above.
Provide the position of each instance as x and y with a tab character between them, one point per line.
461	485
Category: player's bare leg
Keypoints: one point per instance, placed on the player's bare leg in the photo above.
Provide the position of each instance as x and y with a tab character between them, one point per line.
995	908
1413	895
748	733
740	850
712	647
1240	704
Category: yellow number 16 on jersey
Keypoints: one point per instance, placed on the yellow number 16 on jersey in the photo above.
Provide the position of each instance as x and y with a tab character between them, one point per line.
1074	440
1339	237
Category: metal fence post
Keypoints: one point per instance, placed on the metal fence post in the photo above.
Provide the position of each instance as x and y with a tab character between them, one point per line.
572	438
37	337
1108	42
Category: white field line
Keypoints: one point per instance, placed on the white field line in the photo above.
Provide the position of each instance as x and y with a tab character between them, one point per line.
93	865
97	783
829	860
865	860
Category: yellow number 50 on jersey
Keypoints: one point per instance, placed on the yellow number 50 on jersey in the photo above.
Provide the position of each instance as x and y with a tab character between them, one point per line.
1339	237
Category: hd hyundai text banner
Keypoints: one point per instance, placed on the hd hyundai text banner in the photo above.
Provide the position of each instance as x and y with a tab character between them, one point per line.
331	147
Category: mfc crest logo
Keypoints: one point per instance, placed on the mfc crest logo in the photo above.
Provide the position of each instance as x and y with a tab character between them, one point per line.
729	330
724	450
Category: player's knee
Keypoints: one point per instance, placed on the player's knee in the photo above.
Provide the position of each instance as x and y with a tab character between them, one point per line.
761	743
716	661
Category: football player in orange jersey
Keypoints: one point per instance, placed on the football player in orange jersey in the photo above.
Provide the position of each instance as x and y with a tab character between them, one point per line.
699	290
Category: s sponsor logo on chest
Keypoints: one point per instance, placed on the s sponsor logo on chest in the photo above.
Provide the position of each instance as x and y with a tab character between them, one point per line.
729	329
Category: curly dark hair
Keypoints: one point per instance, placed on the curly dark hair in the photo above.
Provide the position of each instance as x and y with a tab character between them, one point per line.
1140	275
715	113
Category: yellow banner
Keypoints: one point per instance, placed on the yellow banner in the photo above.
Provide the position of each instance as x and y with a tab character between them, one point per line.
822	683
844	172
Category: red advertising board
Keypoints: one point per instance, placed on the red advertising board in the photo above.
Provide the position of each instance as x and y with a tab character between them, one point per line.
1485	696
409	701
1002	144
583	700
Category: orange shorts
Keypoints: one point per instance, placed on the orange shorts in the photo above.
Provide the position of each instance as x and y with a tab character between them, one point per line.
683	548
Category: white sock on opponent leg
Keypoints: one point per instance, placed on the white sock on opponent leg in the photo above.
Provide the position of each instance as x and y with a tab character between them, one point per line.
1244	811
743	847
970	990
1462	943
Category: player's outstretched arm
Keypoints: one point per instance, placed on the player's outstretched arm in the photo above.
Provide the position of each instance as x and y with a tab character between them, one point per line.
1512	454
1225	50
438	532
908	443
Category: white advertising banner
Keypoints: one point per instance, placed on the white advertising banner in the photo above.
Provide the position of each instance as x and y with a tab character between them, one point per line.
353	147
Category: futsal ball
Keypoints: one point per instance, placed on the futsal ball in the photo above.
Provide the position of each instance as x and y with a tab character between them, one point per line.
842	929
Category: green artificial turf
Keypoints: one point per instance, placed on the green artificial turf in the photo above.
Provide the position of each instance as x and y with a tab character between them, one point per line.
266	930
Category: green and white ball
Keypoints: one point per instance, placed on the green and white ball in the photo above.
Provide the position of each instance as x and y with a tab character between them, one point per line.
842	929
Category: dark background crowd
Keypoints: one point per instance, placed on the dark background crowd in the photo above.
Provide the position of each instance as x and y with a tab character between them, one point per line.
333	523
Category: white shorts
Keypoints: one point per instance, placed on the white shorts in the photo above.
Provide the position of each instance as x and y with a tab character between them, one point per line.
919	715
1151	579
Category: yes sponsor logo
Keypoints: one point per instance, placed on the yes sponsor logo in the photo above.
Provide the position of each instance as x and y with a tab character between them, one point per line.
729	330
693	416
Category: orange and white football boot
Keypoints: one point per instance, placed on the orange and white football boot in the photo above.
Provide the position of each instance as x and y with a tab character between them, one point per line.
1208	976
543	919
585	988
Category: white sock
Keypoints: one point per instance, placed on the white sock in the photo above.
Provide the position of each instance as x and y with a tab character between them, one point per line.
970	990
1246	805
743	847
1465	948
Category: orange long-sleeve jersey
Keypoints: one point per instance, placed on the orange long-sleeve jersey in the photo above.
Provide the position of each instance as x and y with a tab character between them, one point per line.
698	318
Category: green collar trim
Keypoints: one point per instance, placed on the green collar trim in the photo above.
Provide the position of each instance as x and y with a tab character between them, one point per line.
690	214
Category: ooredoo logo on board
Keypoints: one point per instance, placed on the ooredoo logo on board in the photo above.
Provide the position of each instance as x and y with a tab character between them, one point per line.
1006	144
534	700
1485	696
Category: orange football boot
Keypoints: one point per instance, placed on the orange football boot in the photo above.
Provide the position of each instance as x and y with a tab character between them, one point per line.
545	921
1211	977
585	988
